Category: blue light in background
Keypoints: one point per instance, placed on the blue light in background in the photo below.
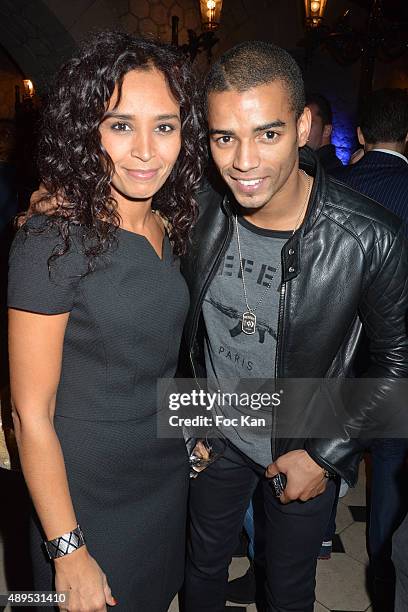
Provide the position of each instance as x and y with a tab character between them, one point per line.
344	135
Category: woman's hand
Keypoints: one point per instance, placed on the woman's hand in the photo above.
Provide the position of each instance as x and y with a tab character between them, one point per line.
80	576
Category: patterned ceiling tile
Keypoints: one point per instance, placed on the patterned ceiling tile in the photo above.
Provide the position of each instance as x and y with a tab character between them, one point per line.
176	9
140	8
147	26
159	14
130	23
120	7
164	32
167	3
192	19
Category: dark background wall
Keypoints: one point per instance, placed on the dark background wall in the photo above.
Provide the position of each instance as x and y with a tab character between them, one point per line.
10	78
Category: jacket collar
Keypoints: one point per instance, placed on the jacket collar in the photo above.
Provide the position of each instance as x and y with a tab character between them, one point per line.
309	162
385	157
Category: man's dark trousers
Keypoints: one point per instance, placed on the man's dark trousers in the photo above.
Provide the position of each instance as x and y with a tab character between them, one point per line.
219	498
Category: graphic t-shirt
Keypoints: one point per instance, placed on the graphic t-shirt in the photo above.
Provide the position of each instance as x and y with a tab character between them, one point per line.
230	354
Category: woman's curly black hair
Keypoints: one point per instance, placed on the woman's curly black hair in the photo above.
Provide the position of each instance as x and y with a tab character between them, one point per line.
72	161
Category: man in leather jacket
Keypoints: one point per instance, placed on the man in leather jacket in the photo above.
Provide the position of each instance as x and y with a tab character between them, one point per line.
314	262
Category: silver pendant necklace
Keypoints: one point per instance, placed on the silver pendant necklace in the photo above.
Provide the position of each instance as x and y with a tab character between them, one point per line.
248	319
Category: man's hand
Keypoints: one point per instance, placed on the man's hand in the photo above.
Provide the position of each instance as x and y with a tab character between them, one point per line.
305	478
41	203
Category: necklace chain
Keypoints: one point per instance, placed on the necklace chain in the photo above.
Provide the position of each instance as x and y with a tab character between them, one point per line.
243	278
251	311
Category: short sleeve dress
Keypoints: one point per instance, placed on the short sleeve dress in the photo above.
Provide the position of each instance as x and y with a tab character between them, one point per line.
128	486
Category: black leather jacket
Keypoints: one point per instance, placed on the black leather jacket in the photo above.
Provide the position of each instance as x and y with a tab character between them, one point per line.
346	267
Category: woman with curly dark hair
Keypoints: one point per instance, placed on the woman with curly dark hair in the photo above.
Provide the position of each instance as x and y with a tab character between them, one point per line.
97	306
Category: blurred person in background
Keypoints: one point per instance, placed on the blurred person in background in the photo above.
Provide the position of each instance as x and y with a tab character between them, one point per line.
382	174
321	130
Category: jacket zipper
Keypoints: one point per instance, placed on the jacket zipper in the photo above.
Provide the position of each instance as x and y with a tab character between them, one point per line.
277	357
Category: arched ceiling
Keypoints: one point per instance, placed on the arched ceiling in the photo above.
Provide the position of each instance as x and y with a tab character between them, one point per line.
34	38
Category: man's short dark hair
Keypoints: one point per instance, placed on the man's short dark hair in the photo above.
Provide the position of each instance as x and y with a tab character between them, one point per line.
323	107
254	63
384	116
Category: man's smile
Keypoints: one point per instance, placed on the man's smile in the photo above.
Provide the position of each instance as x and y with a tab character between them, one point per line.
248	185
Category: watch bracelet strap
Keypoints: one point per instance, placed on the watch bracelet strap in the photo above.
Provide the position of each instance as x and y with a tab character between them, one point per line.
65	544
